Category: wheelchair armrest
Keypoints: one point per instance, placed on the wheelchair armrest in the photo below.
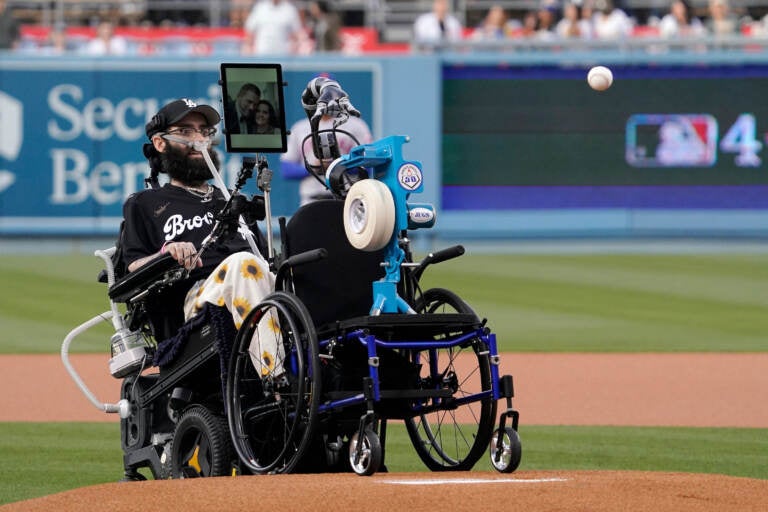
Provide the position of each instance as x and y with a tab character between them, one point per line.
299	259
306	257
139	279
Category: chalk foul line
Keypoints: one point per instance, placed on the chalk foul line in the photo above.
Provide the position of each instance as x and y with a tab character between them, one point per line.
431	481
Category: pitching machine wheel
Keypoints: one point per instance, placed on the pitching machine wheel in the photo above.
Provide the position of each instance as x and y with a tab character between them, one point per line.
369	215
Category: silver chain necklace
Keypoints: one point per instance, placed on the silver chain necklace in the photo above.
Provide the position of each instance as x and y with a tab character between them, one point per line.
204	196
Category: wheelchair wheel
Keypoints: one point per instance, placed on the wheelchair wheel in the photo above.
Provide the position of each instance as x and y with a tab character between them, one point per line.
272	417
201	445
506	450
368	461
453	436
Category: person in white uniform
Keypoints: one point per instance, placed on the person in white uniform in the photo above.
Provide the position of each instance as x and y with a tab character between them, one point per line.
275	28
437	25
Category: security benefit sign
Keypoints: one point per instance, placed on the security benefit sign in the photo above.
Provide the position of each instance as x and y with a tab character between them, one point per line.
71	135
71	141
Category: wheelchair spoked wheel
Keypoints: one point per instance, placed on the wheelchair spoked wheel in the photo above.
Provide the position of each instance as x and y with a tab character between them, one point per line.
453	437
272	417
201	445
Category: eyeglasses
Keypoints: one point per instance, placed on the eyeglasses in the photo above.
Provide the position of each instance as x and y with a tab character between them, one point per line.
189	132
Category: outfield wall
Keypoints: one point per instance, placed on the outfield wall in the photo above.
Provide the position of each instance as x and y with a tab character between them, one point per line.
512	145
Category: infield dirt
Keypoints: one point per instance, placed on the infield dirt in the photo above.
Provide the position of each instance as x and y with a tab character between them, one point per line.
715	390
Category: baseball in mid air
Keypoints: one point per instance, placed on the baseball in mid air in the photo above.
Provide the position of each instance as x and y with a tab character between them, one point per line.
600	78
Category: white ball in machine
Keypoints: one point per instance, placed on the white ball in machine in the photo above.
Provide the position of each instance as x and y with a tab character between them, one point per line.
600	78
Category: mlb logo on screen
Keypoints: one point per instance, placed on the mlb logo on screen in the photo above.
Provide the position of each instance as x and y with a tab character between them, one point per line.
11	134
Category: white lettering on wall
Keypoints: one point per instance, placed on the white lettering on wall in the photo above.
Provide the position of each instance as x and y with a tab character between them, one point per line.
136	108
97	115
70	115
69	166
75	178
107	182
98	118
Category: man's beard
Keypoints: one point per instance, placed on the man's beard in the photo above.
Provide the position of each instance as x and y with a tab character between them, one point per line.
181	167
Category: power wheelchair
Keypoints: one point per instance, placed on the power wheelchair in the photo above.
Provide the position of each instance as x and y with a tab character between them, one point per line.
362	345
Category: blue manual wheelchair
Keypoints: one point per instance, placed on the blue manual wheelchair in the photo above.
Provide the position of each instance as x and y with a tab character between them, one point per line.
360	343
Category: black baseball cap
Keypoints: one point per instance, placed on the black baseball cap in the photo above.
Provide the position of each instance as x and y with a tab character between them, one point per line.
175	111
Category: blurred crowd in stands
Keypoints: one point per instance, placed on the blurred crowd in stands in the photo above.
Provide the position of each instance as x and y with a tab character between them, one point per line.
270	27
285	27
606	20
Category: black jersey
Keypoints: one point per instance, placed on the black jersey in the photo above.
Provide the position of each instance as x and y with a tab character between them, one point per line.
173	214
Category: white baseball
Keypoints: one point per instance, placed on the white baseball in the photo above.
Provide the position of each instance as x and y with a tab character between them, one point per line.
600	78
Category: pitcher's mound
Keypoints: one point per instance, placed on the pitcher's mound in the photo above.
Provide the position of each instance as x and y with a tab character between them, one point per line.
529	491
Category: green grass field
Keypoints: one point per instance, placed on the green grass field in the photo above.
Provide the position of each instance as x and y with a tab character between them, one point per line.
543	303
44	458
617	302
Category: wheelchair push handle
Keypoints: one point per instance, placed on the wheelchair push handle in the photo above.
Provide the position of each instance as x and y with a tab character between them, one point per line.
438	257
444	255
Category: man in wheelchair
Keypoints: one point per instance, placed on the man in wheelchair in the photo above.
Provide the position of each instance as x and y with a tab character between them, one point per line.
177	217
176	222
